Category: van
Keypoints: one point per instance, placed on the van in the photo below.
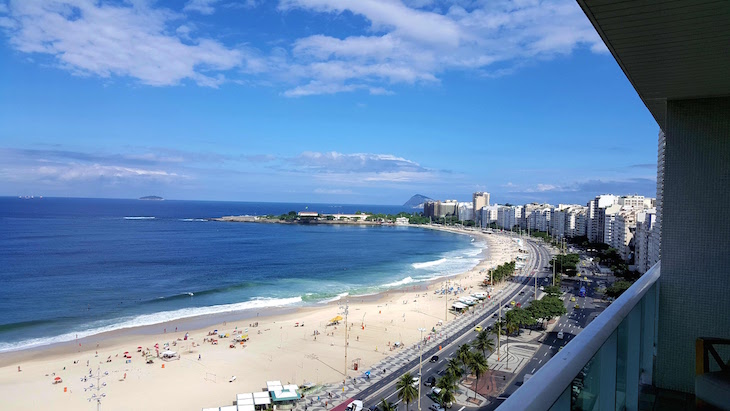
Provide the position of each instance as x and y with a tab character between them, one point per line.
356	405
560	335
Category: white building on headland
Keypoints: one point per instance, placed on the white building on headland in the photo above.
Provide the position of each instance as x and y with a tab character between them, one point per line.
401	221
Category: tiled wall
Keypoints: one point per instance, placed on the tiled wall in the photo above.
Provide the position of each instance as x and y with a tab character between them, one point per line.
694	297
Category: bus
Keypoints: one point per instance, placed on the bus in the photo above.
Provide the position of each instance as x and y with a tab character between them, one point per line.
582	292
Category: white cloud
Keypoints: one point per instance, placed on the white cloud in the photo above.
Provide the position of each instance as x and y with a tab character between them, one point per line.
407	43
76	172
201	6
106	40
337	191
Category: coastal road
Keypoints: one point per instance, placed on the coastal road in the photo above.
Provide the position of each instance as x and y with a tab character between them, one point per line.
521	293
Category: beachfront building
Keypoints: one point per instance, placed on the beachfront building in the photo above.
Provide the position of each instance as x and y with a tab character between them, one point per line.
465	211
651	348
526	219
440	209
623	234
489	215
594	216
508	216
401	221
645	222
540	218
480	200
607	217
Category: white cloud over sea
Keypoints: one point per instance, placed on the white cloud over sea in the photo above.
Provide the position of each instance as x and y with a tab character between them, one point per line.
397	43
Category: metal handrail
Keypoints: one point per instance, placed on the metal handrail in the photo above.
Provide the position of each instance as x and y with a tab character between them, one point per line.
541	391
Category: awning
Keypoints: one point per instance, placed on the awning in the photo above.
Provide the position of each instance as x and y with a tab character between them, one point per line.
229	408
458	305
246	407
274	386
244	399
261	398
279	396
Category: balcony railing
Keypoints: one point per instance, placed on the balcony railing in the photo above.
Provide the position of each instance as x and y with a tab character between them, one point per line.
604	365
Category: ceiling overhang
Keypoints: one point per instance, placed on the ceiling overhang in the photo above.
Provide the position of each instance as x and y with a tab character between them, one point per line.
668	49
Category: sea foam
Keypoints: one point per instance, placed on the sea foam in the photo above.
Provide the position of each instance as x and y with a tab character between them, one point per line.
150	319
428	264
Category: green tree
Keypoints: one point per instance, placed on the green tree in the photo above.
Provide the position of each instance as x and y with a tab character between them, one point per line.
479	366
463	354
520	317
553	291
406	391
483	343
618	288
447	384
510	328
387	406
453	368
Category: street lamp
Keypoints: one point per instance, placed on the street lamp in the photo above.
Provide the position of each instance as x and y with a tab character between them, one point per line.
345	311
420	362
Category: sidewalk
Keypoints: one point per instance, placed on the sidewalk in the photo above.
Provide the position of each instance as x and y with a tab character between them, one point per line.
326	397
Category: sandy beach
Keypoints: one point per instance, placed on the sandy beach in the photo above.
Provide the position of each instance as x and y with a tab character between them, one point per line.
277	349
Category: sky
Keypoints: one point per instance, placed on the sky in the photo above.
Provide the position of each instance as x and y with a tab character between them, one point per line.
322	101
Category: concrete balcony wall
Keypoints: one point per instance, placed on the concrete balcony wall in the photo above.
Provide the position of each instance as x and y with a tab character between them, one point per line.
695	282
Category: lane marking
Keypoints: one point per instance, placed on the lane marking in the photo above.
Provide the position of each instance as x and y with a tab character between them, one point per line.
533	370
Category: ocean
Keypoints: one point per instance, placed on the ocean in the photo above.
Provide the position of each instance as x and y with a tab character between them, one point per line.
74	267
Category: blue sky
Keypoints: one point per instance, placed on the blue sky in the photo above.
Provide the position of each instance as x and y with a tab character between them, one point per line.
362	102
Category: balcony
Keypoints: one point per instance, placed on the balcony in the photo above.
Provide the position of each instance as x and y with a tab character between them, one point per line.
607	364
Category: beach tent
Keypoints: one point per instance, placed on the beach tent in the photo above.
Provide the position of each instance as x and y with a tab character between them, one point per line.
246	408
211	409
168	354
261	399
273	386
281	396
244	399
229	408
458	306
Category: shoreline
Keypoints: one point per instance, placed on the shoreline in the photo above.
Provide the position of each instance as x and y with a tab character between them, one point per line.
397	308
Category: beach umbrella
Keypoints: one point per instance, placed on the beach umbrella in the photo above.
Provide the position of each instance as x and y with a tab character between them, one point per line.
334	320
57	378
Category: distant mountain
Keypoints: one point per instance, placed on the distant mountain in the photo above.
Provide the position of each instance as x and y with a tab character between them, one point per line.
416	201
151	198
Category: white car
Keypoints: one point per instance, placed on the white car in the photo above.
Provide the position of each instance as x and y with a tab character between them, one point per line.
354	406
416	380
435	407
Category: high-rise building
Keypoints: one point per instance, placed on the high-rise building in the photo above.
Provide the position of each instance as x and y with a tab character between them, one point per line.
635	201
607	219
624	228
645	221
655	235
465	211
480	199
594	216
489	215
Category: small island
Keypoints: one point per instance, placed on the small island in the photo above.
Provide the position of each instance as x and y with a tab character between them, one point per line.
151	198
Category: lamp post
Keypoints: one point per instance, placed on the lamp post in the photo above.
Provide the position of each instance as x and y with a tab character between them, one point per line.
420	363
98	395
346	310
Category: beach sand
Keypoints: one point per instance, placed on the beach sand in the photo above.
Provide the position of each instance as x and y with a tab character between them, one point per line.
276	350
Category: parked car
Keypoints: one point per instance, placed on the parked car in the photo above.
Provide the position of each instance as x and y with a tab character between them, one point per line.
430	381
416	380
435	407
435	358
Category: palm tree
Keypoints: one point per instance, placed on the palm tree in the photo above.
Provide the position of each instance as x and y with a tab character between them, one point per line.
387	406
406	391
453	368
463	354
479	366
509	327
447	384
483	343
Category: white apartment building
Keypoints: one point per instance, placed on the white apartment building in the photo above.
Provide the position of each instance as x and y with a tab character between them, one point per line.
489	215
557	221
540	218
645	222
623	231
594	217
608	217
637	202
465	211
508	216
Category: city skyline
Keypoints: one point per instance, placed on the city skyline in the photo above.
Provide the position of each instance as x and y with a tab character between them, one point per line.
316	101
